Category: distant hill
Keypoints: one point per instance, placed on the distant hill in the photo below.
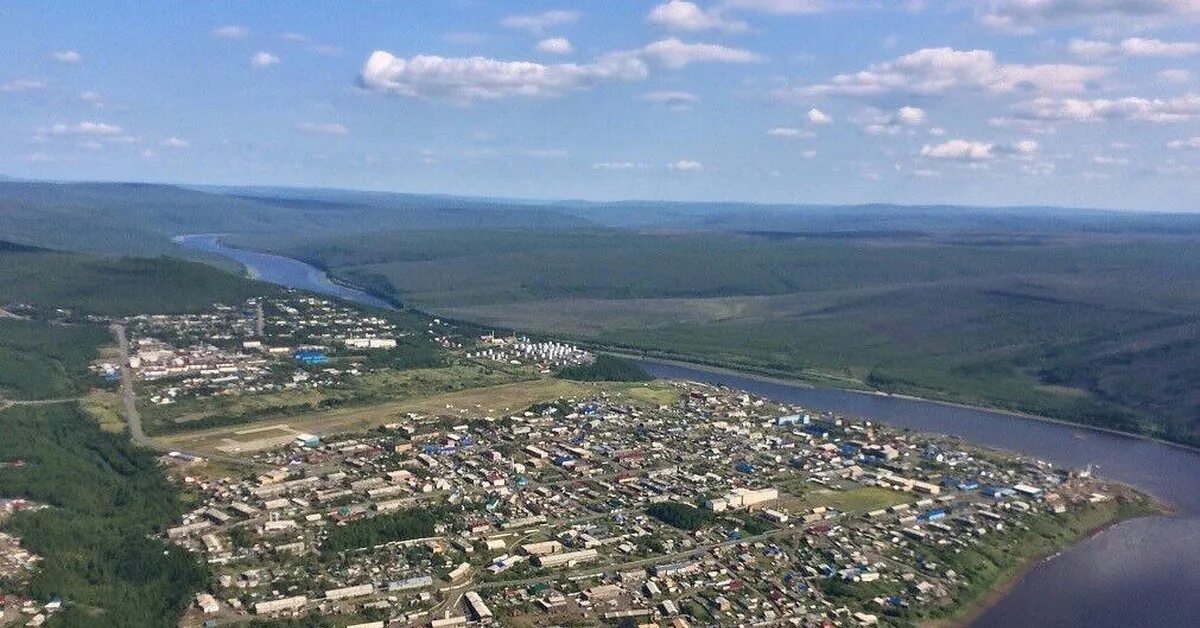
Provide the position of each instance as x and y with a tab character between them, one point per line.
141	219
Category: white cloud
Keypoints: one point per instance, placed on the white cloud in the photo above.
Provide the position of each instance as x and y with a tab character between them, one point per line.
232	31
481	78
910	115
686	165
1132	47
674	53
932	71
672	99
614	165
1029	15
780	7
1176	109
68	56
1109	160
816	116
1193	142
175	142
263	60
556	45
99	129
960	150
1026	147
22	85
541	21
790	132
545	153
687	16
809	154
884	123
323	128
1175	75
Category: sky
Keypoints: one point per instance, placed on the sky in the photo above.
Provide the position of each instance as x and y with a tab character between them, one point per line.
1087	103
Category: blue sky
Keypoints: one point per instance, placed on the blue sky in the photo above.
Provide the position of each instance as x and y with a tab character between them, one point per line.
1064	102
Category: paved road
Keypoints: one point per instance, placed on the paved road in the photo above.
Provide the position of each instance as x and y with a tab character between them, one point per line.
132	417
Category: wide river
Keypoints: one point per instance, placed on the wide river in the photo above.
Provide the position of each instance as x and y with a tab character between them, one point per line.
1144	572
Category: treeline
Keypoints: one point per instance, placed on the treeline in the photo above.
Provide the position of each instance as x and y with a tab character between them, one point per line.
399	526
107	497
682	516
607	368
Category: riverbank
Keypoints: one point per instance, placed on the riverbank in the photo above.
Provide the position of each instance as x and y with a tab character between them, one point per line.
786	381
1085	527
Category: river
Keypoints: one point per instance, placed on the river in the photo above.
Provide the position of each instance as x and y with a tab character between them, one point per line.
1144	572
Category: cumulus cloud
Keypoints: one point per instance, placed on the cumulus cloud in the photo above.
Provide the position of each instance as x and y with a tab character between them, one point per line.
687	16
175	142
685	165
816	116
614	165
232	31
323	128
1176	109
87	128
556	45
1132	47
1029	15
890	123
960	150
22	85
790	132
540	21
934	71
263	60
68	56
467	79
780	7
674	53
673	99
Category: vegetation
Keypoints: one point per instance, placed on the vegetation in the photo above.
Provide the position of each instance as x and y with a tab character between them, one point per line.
42	361
682	516
607	368
118	286
386	528
1089	322
106	498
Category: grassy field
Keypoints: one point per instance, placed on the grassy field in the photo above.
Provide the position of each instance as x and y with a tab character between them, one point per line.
855	500
1093	326
489	400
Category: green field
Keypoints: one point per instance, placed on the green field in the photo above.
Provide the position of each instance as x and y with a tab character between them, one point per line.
1088	325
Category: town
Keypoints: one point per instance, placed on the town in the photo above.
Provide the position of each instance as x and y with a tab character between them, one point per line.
696	506
264	345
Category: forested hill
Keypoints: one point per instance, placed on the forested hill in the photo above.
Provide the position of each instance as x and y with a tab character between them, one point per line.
141	219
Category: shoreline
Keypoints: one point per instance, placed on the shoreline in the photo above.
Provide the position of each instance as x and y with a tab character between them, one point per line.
782	380
976	608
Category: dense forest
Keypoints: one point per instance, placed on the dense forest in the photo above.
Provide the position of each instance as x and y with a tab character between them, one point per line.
607	368
105	499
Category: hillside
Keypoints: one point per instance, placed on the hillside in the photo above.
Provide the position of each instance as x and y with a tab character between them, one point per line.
1091	327
141	219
